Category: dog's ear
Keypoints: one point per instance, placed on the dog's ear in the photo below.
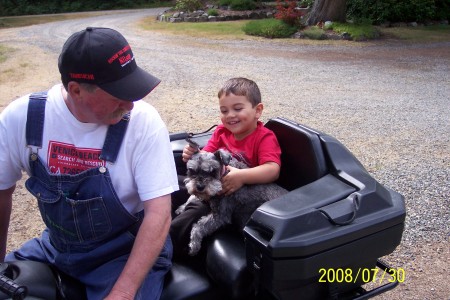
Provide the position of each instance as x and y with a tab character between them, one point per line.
223	156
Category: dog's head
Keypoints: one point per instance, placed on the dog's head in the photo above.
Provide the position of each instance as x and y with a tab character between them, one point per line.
204	173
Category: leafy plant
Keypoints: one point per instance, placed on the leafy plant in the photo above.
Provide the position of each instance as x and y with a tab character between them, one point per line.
242	4
188	5
212	12
224	2
357	32
287	12
380	11
306	3
269	28
315	33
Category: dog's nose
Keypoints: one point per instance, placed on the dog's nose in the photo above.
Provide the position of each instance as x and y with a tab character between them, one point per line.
200	187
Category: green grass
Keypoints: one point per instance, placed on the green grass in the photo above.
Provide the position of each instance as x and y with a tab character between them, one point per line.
201	29
29	20
357	32
269	28
434	33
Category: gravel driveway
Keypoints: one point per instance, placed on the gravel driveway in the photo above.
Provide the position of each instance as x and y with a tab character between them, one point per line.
387	101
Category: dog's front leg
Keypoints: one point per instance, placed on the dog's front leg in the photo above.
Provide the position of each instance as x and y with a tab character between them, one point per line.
182	207
204	227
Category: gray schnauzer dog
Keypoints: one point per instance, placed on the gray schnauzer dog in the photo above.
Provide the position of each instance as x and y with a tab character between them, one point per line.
203	183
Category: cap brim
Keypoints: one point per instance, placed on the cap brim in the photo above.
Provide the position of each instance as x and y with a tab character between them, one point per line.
132	87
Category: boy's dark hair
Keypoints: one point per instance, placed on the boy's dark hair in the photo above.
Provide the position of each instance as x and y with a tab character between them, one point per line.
242	87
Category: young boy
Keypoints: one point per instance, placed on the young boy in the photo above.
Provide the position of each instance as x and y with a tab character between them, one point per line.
243	135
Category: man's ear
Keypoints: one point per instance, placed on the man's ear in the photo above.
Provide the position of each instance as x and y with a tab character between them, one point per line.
74	89
259	109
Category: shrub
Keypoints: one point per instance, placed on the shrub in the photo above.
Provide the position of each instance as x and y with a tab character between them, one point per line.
269	28
188	5
224	2
242	4
379	11
287	12
212	12
306	3
315	33
357	32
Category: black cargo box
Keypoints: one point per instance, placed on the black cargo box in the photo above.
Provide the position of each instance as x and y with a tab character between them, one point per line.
341	221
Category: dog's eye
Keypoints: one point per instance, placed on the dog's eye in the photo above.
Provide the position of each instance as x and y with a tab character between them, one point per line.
211	173
191	171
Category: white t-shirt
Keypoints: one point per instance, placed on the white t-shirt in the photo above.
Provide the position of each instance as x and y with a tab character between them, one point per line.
144	168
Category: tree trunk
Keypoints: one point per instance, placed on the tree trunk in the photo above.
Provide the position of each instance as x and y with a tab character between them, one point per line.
327	10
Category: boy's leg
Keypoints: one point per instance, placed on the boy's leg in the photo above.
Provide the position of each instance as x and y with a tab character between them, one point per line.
180	229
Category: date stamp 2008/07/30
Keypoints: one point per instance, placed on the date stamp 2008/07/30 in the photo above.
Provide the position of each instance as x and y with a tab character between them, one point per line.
364	275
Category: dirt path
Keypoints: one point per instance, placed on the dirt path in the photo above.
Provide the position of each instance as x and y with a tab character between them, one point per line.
383	100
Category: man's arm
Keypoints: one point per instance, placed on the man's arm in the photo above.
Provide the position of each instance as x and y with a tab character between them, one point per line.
5	214
147	246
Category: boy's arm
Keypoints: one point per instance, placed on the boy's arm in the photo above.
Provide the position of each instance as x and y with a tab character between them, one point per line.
236	178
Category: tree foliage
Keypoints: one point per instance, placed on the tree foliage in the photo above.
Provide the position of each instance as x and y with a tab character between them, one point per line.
32	7
378	11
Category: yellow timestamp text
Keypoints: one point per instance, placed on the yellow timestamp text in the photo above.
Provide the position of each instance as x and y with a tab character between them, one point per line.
365	275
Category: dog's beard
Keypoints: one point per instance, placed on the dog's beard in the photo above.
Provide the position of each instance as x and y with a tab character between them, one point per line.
211	189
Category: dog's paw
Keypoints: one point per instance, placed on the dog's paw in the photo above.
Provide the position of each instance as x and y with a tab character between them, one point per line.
194	248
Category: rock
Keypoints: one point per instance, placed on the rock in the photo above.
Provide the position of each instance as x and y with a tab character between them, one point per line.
298	35
346	36
253	15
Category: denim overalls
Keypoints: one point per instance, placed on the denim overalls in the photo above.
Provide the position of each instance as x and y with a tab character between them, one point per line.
89	233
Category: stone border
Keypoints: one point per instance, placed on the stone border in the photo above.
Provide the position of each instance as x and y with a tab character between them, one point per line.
202	16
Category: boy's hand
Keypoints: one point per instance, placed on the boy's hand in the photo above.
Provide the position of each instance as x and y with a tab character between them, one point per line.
188	151
232	181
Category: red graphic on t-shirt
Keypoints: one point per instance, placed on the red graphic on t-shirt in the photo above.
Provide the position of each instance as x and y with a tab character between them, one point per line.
68	159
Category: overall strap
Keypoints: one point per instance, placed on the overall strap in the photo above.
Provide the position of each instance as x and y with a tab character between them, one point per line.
35	128
114	138
35	119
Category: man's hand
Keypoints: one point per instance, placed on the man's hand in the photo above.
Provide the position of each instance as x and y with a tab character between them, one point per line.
119	295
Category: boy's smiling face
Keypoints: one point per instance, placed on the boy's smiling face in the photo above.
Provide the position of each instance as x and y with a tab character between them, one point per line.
238	115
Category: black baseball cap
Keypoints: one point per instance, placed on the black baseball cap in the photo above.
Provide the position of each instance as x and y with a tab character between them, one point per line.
102	56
